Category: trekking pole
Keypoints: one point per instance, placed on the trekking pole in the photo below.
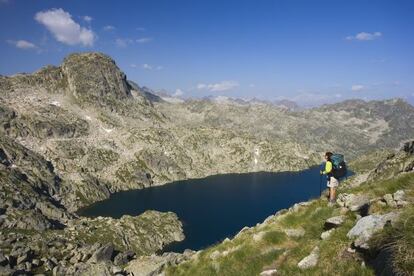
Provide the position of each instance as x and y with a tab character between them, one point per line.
320	180
320	184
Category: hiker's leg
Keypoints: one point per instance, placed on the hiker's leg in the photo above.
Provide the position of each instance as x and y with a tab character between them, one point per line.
330	193
329	190
333	194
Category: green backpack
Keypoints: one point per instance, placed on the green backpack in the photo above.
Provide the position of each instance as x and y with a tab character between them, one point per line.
339	168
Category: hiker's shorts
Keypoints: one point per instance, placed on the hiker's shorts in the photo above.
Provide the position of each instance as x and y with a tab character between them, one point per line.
333	182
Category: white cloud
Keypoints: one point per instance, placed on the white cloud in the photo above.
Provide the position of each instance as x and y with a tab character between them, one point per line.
379	60
368	36
363	36
144	40
220	86
108	28
133	65
123	42
87	18
140	29
147	66
23	44
357	87
64	28
178	92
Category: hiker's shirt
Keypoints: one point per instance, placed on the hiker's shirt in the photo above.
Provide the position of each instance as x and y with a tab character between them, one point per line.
328	169
332	181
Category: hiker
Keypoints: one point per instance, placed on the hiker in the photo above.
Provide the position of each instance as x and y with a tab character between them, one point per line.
332	181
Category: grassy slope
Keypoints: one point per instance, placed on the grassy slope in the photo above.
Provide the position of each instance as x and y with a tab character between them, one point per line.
248	254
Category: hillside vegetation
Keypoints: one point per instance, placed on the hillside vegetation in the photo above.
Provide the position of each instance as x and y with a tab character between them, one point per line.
312	238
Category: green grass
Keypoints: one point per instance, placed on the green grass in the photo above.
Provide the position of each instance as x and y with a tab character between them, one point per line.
381	187
274	237
247	260
311	219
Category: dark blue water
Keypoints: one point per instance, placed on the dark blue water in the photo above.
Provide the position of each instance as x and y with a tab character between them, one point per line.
215	207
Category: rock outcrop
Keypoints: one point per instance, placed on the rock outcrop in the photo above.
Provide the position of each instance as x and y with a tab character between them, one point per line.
86	245
367	226
311	260
395	163
94	78
143	234
30	188
353	202
334	222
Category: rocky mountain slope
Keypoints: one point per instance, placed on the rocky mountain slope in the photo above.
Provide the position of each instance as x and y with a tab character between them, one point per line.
72	135
352	127
104	134
39	234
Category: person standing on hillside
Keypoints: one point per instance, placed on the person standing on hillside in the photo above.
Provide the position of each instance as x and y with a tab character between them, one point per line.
332	181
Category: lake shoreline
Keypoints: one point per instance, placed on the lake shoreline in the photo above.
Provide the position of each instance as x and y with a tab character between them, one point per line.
243	198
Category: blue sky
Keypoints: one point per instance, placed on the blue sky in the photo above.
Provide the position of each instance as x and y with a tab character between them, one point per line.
308	51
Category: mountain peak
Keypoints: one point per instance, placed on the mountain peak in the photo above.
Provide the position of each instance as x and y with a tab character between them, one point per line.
95	77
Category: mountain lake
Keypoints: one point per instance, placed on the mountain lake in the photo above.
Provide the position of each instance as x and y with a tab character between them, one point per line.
218	206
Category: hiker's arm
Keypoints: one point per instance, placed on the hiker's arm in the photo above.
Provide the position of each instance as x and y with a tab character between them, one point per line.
328	168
